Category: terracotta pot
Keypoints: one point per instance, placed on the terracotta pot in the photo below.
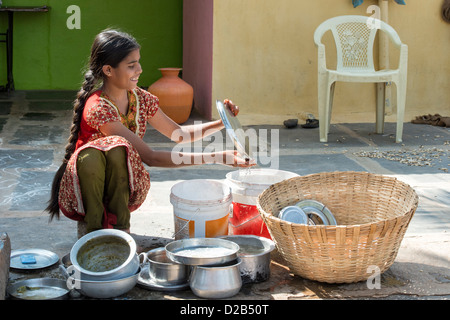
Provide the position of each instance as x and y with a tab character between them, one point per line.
175	95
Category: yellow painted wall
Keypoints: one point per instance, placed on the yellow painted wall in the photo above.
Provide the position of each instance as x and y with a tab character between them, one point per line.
265	60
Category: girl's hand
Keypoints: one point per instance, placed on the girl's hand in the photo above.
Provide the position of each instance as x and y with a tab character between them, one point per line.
234	109
234	159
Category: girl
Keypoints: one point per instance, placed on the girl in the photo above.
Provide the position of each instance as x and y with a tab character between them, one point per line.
102	178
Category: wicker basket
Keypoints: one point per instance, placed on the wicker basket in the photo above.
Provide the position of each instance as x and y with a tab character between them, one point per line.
372	212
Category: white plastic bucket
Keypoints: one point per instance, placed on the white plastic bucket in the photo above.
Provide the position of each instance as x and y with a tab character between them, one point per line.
246	185
201	208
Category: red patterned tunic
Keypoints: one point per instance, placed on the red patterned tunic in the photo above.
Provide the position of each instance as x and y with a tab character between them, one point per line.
98	111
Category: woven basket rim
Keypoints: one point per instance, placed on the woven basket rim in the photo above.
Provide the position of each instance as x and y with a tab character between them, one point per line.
331	227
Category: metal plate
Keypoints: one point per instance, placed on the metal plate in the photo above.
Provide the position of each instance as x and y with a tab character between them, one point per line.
315	207
39	289
145	281
234	130
43	258
202	251
293	214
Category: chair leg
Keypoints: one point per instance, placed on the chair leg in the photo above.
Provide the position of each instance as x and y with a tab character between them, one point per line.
401	102
381	103
324	107
330	105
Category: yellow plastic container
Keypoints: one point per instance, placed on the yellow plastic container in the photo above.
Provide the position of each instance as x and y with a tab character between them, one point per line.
201	208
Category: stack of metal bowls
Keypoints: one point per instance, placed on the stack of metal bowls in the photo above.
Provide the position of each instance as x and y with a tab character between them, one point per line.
213	268
105	263
254	252
215	265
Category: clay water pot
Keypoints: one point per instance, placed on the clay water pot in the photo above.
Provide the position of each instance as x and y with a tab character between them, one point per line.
175	95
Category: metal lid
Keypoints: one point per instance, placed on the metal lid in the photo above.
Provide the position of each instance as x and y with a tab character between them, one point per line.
293	214
234	130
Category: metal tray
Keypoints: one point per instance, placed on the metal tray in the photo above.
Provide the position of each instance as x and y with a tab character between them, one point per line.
44	259
234	130
202	251
39	289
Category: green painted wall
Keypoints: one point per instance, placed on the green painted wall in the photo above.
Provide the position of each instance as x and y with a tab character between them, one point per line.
48	55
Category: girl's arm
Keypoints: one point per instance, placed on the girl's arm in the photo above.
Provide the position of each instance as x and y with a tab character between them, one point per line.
188	133
158	158
183	134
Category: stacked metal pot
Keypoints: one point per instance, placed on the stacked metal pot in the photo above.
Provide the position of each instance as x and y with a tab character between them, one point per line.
213	268
103	264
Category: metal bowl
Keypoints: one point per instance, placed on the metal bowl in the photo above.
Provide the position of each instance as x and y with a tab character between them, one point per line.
108	289
202	251
146	282
106	254
254	253
98	289
217	281
164	271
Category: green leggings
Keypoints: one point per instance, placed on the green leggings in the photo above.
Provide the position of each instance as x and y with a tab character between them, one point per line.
104	184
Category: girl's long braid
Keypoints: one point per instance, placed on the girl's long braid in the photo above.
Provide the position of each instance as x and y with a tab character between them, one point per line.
86	90
82	96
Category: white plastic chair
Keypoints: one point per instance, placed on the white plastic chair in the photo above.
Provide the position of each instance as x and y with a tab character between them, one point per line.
354	37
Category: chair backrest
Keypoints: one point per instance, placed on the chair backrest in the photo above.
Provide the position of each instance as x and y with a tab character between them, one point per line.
354	37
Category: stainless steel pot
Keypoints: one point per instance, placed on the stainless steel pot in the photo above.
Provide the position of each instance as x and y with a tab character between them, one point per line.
217	281
101	289
164	271
108	289
105	255
255	255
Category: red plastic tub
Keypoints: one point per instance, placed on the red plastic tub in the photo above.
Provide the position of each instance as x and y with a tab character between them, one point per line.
246	185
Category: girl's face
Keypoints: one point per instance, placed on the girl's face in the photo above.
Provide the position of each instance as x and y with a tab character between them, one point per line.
126	74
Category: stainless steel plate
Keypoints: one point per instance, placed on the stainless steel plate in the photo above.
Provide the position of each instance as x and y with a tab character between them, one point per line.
39	289
234	130
43	259
293	214
313	207
202	251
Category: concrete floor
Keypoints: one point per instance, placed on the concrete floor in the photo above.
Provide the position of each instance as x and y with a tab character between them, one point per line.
34	127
